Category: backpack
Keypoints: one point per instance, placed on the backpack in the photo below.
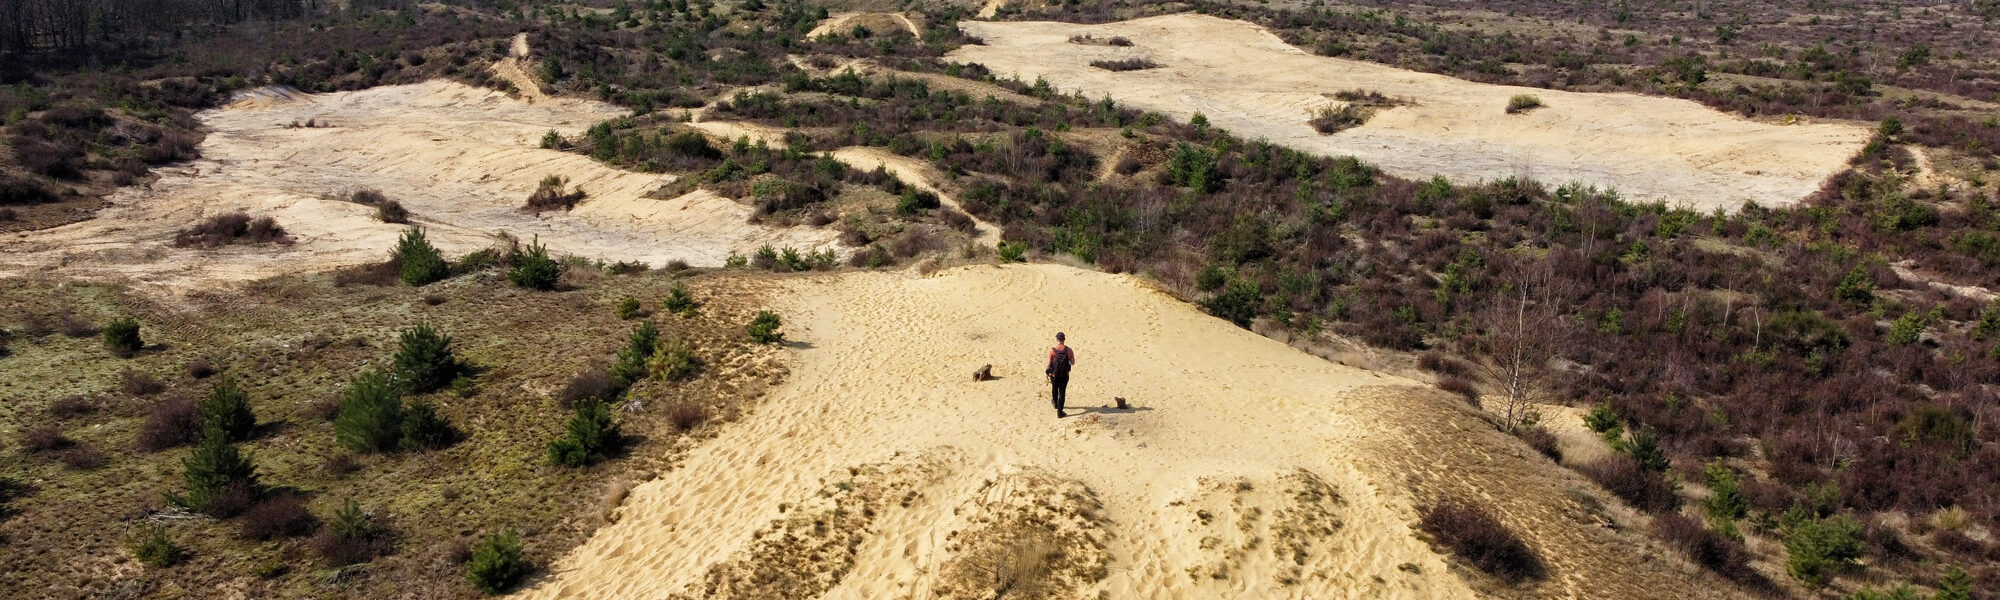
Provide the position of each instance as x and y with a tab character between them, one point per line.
1059	363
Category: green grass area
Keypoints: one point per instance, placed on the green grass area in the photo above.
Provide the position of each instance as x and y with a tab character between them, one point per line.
293	344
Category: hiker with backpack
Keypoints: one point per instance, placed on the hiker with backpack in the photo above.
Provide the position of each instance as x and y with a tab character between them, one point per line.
1061	358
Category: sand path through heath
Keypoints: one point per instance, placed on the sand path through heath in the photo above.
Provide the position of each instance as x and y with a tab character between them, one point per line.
1221	417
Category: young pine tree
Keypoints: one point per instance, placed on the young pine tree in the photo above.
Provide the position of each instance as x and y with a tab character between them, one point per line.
422	264
227	409
534	269
631	365
215	473
371	414
497	563
590	435
424	360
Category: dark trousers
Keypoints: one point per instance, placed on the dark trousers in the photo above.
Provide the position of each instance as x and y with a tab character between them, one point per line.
1058	387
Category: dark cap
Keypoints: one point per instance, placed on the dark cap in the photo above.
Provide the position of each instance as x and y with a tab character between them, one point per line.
1059	336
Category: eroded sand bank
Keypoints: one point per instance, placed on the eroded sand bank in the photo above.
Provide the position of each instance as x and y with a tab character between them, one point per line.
1251	83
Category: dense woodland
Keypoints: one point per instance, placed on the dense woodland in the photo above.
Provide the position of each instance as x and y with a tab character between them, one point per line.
1795	362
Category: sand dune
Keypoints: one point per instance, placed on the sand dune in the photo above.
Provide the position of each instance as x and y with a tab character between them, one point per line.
1246	469
461	159
1251	83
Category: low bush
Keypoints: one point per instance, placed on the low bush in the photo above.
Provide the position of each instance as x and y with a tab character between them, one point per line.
687	415
1125	64
534	269
386	210
44	438
71	407
419	262
764	328
77	327
1521	103
122	337
1329	120
1817	549
551	194
589	384
1441	364
138	384
1539	438
957	220
231	228
497	563
279	516
1013	251
1475	536
1623	477
590	436
154	548
680	302
914	201
81	457
672	360
353	536
629	309
631	365
1706	547
425	429
1461	387
424	359
174	422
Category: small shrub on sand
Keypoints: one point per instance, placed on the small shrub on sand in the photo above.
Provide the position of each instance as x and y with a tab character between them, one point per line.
672	360
386	210
122	337
232	228
421	262
1013	251
1475	536
1460	387
764	328
1127	64
534	269
155	549
1329	120
1521	103
687	415
1623	477
551	194
497	563
1711	550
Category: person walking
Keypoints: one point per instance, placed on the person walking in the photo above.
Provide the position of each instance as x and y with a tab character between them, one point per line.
1061	358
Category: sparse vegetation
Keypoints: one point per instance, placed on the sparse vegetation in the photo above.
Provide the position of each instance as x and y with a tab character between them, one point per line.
552	194
1473	535
232	228
154	548
1521	103
1125	64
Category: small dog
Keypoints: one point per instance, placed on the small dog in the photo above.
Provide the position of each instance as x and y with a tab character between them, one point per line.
984	373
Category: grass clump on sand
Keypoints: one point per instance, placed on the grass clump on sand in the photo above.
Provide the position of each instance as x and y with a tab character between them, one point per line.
1521	103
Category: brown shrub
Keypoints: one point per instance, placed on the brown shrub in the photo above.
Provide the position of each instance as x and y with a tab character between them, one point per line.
687	415
1539	438
81	457
382	274
44	438
1473	535
71	407
590	383
1711	550
1126	64
1127	165
8	215
913	242
232	228
174	422
552	195
341	464
1955	541
341	551
1624	478
854	237
1437	362
280	516
956	219
819	219
200	368
1462	387
138	384
76	327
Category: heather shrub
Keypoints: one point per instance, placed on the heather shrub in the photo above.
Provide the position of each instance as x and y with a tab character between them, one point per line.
1713	551
421	262
71	407
589	384
590	436
687	415
424	359
497	563
1473	535
1539	438
173	422
44	438
764	328
279	516
534	269
1623	477
155	549
80	457
138	384
122	337
371	414
231	228
1125	64
1461	387
551	194
227	409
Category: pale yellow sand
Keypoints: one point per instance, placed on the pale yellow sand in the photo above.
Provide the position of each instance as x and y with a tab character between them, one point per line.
880	470
1252	84
463	160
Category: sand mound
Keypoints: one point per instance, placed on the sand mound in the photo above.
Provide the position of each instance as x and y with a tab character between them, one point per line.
1246	469
461	159
1254	85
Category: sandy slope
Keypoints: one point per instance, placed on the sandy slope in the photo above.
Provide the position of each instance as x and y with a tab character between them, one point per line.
1246	470
461	159
1254	85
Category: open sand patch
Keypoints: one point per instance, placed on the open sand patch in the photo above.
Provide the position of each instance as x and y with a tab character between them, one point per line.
463	160
1249	82
1308	471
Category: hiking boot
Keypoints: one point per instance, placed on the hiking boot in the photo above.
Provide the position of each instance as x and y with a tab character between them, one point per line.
1060	414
